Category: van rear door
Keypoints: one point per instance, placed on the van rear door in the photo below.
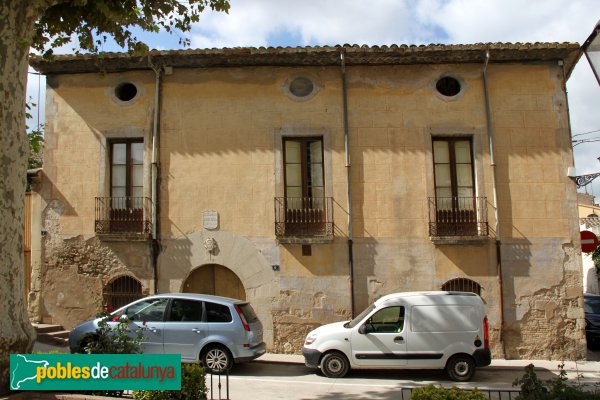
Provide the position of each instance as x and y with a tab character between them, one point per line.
380	341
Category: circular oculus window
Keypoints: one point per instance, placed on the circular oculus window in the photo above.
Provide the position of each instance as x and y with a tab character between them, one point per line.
126	91
448	86
301	87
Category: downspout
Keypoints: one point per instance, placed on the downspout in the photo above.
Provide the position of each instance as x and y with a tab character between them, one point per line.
490	134
155	172
561	64
348	191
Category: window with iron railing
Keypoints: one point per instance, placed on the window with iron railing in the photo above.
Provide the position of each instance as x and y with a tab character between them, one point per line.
304	216
458	216
121	291
304	210
127	215
462	285
455	210
125	210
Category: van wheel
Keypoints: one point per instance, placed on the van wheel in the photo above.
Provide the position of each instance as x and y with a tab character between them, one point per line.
335	365
216	359
460	368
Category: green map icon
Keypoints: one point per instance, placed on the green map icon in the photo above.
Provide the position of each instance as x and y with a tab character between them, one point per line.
23	369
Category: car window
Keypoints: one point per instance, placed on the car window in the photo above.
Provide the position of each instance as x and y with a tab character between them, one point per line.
148	310
185	311
217	313
389	319
360	316
248	312
592	305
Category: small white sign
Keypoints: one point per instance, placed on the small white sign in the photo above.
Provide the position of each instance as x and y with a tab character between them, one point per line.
210	219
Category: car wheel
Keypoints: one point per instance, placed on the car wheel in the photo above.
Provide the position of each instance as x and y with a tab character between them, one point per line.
460	368
335	365
216	359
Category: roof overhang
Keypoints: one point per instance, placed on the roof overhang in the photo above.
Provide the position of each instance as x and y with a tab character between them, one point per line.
568	53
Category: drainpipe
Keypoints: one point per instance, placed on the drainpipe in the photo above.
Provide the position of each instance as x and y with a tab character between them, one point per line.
490	134
348	191
155	171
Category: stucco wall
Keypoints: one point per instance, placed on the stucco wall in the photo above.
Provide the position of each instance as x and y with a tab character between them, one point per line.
220	150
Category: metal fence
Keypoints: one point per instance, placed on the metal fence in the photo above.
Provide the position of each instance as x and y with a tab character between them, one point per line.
458	216
219	390
123	215
220	379
304	216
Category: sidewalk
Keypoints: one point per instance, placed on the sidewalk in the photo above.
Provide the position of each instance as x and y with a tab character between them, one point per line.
570	366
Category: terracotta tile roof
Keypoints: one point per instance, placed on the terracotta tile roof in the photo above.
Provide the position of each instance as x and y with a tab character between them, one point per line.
314	56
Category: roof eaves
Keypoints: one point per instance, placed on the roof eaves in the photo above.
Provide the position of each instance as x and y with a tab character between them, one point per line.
313	56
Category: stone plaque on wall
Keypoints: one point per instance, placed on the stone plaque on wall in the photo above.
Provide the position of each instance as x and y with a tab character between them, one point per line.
210	220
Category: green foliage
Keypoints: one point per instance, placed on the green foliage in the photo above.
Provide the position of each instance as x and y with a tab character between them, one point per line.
431	392
118	339
93	22
596	257
532	388
35	137
193	386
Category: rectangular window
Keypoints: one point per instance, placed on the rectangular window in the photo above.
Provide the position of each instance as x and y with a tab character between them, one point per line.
126	184
304	168
127	162
455	201
304	185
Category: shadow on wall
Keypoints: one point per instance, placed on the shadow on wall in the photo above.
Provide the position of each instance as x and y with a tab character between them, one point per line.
365	252
178	256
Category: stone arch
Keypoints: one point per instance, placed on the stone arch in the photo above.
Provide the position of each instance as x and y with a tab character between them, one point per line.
462	285
214	279
243	257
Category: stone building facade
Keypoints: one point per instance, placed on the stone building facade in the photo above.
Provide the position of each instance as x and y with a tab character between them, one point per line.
311	181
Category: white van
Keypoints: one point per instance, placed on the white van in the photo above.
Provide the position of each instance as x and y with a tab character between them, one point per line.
411	330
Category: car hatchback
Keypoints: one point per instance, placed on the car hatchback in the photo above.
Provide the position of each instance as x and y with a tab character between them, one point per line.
592	320
218	331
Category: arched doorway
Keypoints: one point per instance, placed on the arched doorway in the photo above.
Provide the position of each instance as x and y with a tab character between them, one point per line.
215	279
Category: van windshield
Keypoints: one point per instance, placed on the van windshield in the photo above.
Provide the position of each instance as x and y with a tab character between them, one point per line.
359	317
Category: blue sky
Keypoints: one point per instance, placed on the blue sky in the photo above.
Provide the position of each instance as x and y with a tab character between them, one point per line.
257	23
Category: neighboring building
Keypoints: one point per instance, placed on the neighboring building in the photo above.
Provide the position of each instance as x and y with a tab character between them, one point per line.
313	180
589	220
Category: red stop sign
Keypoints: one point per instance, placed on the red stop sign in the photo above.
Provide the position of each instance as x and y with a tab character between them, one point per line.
589	241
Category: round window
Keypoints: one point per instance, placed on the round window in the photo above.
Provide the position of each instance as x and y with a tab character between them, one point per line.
448	86
126	91
301	87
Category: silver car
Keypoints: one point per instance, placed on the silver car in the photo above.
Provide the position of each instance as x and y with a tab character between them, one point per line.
218	331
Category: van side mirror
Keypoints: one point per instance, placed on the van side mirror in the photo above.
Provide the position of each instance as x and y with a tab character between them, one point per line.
363	330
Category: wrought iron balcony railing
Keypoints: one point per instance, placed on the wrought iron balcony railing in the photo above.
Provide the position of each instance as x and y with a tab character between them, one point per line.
458	216
123	215
304	217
